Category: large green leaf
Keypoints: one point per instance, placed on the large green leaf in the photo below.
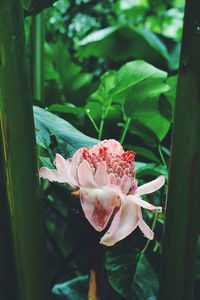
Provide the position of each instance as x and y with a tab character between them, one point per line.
141	84
131	274
124	42
135	72
150	169
66	108
48	125
151	126
136	79
145	284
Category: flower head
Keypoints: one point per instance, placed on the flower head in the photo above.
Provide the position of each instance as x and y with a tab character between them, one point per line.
104	178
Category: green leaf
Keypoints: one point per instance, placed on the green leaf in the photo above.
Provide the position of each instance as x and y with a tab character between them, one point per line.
143	169
75	289
66	108
120	266
124	42
48	125
26	4
46	162
135	72
145	285
151	126
107	83
95	109
131	274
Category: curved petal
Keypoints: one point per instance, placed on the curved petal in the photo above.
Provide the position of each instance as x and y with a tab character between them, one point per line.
51	175
70	178
124	222
125	184
60	175
113	146
144	227
60	164
98	205
151	186
101	175
142	203
85	175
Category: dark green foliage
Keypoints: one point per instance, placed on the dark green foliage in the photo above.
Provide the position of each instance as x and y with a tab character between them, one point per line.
75	289
48	125
131	274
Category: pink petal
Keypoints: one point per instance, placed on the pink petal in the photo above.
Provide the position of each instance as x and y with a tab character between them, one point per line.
112	179
64	167
113	146
151	186
98	205
144	227
70	178
137	200
124	222
125	184
85	175
62	172
51	175
101	175
60	163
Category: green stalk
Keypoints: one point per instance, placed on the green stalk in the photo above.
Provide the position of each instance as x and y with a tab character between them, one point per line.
103	117
92	120
152	228
37	53
161	155
183	205
21	224
125	129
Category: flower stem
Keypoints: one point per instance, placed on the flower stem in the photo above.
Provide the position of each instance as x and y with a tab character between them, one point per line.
125	129
152	228
101	129
161	155
103	116
92	120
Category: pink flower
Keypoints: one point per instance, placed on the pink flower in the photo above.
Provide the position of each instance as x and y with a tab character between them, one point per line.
104	178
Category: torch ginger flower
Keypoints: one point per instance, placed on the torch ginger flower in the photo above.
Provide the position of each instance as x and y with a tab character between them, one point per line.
104	178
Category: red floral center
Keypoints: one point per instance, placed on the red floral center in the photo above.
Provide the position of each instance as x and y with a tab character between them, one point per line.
118	165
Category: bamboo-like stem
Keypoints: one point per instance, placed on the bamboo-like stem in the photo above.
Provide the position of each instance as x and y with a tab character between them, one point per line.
21	228
37	53
183	205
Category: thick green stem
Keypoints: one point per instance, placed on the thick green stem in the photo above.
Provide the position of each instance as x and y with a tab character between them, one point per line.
21	228
183	205
37	53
